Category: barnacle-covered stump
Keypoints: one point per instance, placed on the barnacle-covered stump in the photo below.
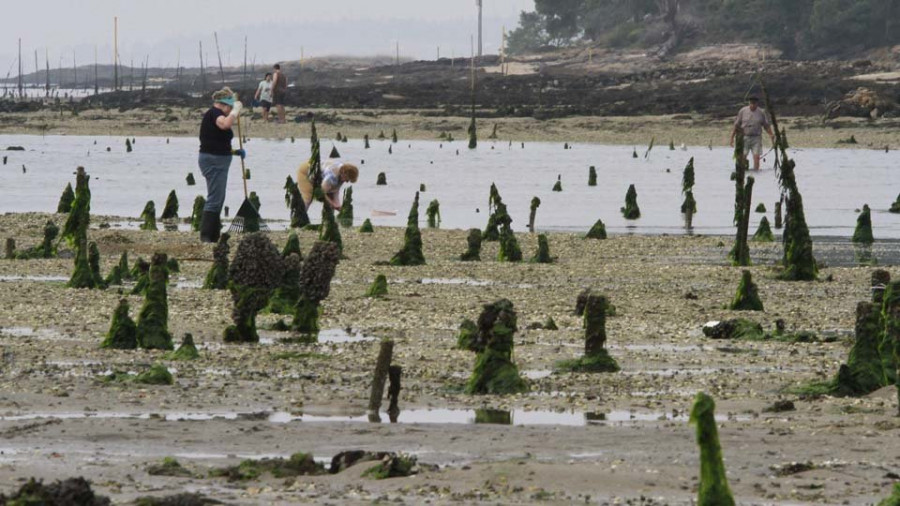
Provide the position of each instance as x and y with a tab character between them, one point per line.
122	333
255	272
315	284
596	358
747	296
217	277
153	319
495	372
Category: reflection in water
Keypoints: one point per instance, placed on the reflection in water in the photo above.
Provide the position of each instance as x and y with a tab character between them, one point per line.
495	416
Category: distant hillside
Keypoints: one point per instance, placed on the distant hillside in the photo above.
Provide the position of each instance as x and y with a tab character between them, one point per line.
800	29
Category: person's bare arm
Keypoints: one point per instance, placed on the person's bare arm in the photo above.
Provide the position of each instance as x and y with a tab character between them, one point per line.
333	200
227	121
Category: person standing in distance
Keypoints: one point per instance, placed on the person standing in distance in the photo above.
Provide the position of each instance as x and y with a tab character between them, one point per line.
279	90
264	95
215	158
751	120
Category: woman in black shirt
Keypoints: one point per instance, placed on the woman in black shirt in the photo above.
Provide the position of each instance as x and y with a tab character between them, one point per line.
215	158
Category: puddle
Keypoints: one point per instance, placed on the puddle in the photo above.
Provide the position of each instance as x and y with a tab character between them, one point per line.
709	370
37	333
327	336
517	417
43	279
456	281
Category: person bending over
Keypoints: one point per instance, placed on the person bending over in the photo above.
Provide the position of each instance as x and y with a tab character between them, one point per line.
334	174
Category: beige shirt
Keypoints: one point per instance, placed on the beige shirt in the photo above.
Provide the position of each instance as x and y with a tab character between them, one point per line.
750	122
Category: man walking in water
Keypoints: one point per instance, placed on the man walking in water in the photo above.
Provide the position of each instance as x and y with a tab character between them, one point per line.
751	120
279	89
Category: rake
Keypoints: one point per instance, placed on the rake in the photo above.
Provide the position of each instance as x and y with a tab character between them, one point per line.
247	218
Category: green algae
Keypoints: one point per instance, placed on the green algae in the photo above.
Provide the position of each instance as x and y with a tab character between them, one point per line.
149	216
156	375
378	288
557	186
411	253
197	212
381	179
473	246
863	232
316	274
153	318
596	358
170	211
393	466
293	199
598	231
366	227
299	464
187	350
763	232
75	229
46	249
631	211
168	467
592	176
433	212
65	200
494	371
330	232
535	204
217	276
190	179
542	255
345	215
286	294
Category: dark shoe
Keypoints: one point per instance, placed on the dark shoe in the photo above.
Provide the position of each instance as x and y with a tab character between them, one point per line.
210	227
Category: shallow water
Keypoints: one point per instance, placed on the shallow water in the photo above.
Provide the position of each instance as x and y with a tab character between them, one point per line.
834	182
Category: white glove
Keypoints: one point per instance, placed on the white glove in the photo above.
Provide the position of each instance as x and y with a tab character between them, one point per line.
236	108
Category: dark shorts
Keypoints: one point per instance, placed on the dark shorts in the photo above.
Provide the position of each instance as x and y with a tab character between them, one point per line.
278	98
265	104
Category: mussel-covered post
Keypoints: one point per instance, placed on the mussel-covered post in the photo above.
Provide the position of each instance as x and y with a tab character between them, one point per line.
596	358
494	371
217	276
315	283
254	274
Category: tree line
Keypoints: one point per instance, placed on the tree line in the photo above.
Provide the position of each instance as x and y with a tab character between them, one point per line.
800	28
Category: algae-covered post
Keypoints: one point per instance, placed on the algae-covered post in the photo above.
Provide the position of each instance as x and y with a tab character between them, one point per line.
378	288
330	232
472	131
366	141
382	365
315	163
743	193
592	176
473	249
334	153
345	215
75	229
366	227
494	372
434	214
10	252
170	211
596	358
557	186
255	272
122	332
197	212
598	231
798	260
394	136
689	205
294	201
535	204
315	283
764	232
149	216
411	253
542	255
381	180
778	218
187	350
509	245
492	231
119	272
713	489
631	211
65	200
747	296
190	179
863	232
217	276
82	275
153	319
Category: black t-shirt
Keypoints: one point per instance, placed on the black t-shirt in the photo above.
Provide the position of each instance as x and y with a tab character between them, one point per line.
214	140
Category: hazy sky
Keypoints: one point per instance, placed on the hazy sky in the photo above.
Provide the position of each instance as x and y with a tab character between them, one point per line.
276	29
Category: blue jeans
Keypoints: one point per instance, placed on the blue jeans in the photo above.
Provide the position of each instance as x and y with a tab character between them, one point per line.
215	169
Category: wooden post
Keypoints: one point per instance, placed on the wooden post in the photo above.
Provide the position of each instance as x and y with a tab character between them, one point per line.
219	54
96	73
480	9
47	65
21	87
131	81
146	69
382	366
116	53
244	80
202	72
74	72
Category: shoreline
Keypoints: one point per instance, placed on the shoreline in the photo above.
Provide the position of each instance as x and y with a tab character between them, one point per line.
692	130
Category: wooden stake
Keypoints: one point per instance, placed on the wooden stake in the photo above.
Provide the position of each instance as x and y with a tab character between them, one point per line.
219	54
116	52
382	366
21	87
202	72
394	373
47	64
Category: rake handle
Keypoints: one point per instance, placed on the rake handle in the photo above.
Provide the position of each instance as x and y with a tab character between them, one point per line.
241	145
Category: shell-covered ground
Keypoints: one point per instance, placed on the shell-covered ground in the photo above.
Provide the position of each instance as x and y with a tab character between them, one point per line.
587	438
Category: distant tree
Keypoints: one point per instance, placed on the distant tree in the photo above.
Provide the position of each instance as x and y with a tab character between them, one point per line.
530	34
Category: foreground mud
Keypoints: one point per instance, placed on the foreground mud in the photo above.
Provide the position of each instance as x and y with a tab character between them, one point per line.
59	418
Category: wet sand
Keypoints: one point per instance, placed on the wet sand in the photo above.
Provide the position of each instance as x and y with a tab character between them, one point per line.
59	419
690	129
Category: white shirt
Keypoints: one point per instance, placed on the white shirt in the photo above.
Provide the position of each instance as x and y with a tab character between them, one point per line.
265	90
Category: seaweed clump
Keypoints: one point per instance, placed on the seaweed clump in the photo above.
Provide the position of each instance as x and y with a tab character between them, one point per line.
631	211
69	492
381	180
473	248
299	464
170	211
738	328
122	333
747	296
713	489
153	319
315	284
187	350
47	247
330	231
894	499
149	216
509	245
158	374
596	358
863	232
495	203
366	227
75	229
394	466
345	215
495	372
217	277
411	253
254	274
197	212
592	176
